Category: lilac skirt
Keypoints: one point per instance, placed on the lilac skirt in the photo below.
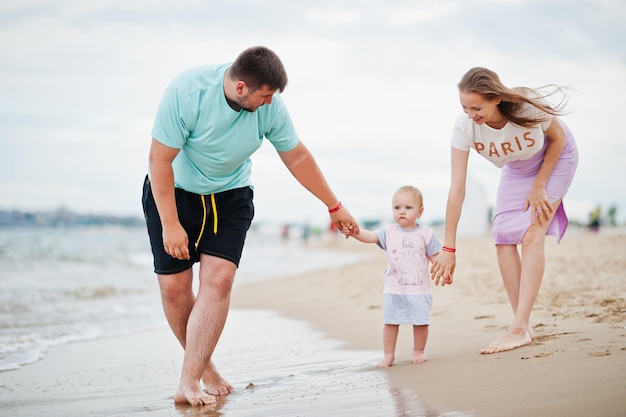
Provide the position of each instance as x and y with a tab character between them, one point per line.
510	221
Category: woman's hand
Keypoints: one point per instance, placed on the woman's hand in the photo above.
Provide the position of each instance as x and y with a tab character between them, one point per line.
442	269
540	207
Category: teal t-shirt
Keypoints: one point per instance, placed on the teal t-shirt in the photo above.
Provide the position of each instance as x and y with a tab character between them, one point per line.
216	141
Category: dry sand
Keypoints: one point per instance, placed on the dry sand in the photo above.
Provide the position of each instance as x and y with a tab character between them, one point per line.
575	367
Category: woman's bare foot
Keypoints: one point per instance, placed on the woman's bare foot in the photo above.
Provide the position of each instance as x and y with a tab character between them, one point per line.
386	361
214	383
510	340
193	396
418	356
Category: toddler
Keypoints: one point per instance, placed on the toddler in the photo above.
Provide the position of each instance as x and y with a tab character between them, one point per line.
406	295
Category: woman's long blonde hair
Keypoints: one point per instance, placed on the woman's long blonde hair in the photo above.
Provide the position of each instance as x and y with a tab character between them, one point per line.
487	83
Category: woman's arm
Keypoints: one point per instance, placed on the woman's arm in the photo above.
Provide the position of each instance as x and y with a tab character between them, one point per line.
540	205
443	267
456	195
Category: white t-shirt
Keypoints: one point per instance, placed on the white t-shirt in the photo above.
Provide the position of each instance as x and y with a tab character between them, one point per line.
501	146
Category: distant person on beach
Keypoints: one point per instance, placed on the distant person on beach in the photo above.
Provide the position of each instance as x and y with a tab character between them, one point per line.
407	299
594	220
517	130
197	196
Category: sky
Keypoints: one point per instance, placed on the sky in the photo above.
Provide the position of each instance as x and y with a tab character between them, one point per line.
372	93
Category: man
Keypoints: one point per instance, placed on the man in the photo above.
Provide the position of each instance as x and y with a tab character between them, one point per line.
197	197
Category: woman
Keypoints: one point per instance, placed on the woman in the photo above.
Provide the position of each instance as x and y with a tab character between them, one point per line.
518	131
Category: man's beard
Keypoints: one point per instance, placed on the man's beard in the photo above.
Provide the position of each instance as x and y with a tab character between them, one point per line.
243	103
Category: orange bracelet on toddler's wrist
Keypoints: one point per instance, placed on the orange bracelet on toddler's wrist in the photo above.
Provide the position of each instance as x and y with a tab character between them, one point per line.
447	249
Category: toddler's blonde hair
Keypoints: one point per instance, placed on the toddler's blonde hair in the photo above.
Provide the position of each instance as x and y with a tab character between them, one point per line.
412	190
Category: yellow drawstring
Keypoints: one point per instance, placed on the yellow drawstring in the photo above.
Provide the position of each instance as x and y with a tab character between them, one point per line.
214	206
203	220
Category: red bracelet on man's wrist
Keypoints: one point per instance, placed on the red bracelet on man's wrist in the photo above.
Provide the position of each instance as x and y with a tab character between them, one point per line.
447	249
336	208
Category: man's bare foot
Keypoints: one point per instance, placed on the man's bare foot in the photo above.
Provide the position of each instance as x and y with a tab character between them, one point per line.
509	341
193	396
386	361
418	356
214	383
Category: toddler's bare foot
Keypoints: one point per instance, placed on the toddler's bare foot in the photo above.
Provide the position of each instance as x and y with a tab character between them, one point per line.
418	356
193	396
386	361
214	383
510	340
531	332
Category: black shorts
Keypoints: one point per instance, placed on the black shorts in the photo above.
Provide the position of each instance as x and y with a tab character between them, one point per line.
216	224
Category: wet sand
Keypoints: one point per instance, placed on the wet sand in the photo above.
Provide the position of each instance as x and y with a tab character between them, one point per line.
315	356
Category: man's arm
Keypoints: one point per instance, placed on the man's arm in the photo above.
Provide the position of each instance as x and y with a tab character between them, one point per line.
302	165
175	240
